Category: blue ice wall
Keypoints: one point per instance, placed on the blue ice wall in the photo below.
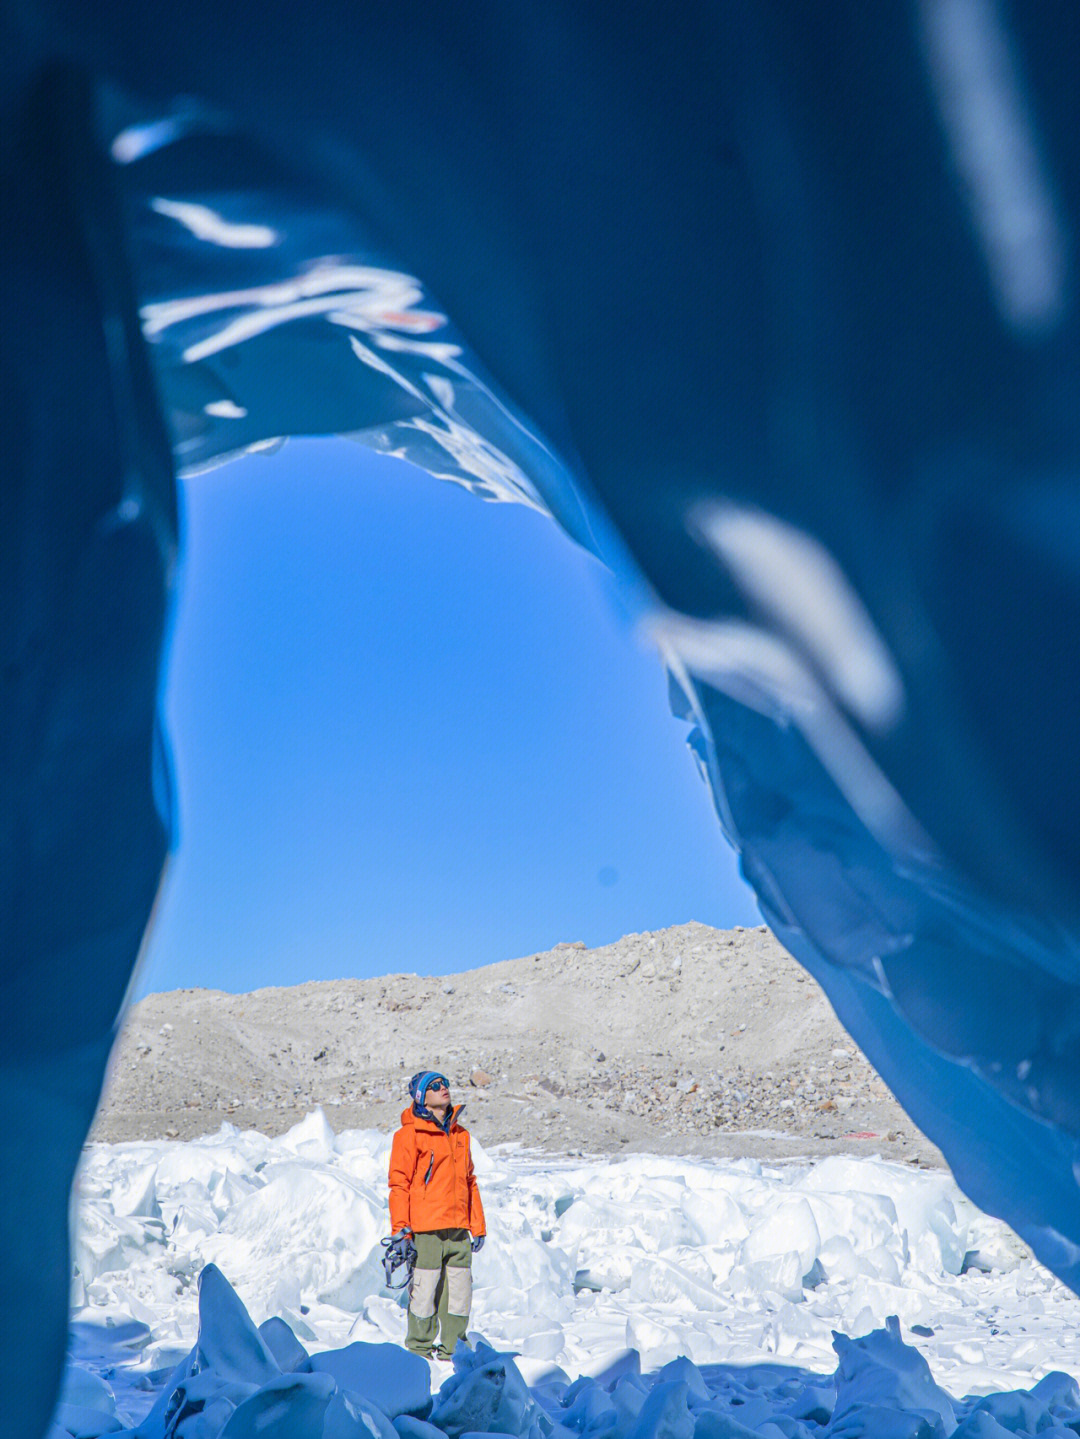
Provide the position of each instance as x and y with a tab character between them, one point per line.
88	529
772	306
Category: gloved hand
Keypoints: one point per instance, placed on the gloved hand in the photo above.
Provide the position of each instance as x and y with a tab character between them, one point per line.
478	1244
399	1244
400	1250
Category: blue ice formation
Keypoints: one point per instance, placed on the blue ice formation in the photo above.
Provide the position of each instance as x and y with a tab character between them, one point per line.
773	306
240	1382
231	1386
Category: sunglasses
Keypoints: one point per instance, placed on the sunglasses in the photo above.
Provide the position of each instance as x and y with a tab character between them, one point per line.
439	1084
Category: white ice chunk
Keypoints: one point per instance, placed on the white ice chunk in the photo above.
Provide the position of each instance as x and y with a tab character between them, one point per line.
664	1415
716	1217
86	1390
289	1354
133	1192
313	1138
1016	1412
85	1423
655	1279
786	1226
229	1189
292	1406
657	1343
228	1341
393	1379
409	1427
107	1242
712	1424
682	1371
310	1233
491	1397
191	1223
348	1417
880	1370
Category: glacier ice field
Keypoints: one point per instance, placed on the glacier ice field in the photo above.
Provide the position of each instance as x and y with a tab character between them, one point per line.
774	308
233	1285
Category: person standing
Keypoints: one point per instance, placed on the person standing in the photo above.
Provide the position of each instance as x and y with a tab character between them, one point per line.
435	1200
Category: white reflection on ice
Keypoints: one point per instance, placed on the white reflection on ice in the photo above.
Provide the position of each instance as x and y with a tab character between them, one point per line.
364	296
993	138
375	362
796	583
225	410
207	224
762	671
139	140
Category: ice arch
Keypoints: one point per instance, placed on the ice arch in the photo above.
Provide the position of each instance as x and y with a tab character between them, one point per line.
774	307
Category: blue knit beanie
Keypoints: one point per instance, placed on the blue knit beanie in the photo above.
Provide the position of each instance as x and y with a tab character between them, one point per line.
418	1085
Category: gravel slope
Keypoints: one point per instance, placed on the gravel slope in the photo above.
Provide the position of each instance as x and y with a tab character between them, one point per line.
689	1040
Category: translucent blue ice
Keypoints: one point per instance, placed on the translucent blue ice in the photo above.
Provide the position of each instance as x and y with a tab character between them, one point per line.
228	1341
393	1379
774	309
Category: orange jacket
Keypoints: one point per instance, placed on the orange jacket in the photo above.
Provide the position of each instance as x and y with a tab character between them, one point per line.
432	1184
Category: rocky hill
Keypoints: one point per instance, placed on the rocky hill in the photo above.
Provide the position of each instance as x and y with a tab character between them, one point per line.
688	1040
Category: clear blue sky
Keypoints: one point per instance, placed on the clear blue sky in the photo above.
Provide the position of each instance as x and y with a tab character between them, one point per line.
411	731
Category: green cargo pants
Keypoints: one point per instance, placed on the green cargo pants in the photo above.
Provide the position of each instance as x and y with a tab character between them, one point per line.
440	1294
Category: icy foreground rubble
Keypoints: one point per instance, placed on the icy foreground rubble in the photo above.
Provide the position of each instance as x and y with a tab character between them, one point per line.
644	1298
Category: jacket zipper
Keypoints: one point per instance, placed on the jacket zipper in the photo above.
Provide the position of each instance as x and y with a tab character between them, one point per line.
453	1160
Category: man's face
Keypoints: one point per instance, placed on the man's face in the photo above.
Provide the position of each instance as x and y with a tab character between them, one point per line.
437	1098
